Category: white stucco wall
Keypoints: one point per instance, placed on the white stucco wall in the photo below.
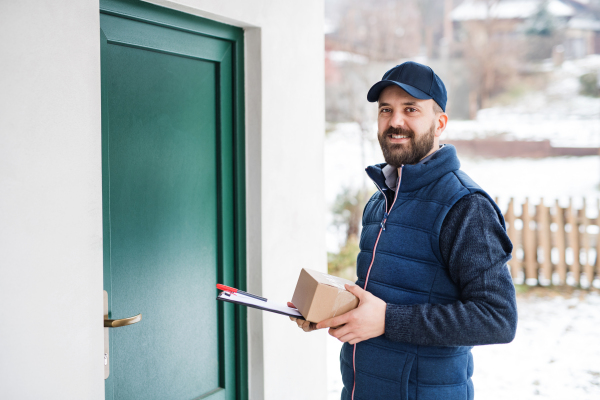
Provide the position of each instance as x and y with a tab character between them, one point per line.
50	182
51	340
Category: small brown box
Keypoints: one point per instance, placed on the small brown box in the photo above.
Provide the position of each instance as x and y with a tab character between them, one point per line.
319	296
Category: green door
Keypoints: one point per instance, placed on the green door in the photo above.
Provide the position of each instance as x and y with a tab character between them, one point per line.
172	168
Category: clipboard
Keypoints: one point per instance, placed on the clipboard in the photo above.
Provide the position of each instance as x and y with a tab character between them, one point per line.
265	305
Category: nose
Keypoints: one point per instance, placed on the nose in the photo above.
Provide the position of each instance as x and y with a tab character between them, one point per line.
397	120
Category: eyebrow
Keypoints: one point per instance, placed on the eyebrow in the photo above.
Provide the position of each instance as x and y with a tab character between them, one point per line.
407	103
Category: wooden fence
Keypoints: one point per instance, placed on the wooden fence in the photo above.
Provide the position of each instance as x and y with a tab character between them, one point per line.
553	245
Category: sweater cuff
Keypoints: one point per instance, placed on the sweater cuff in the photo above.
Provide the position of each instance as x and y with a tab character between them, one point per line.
398	323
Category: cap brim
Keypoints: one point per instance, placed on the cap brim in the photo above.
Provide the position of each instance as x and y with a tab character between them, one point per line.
376	89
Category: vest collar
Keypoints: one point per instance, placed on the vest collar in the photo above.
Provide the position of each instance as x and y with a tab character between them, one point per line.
376	174
421	174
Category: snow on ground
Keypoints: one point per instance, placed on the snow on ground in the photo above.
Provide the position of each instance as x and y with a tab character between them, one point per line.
555	354
552	178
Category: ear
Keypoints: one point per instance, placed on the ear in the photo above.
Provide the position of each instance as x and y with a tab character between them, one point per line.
440	123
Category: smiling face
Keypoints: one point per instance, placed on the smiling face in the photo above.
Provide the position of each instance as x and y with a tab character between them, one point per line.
408	128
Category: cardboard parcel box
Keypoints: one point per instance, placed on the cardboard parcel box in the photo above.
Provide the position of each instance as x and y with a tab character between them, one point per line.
319	296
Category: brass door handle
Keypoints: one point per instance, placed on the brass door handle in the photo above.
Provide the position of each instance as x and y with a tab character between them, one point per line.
116	323
113	323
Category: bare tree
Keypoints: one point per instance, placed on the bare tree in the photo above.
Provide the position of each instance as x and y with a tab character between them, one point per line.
492	49
382	30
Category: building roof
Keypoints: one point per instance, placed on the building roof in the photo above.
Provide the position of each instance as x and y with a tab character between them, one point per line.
508	9
584	24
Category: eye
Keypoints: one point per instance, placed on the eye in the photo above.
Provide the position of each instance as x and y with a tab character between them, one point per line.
411	109
385	109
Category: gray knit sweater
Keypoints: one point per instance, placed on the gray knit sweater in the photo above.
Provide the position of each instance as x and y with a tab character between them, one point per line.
475	248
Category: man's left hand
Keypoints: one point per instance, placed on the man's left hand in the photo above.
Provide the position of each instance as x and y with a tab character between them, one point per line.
364	322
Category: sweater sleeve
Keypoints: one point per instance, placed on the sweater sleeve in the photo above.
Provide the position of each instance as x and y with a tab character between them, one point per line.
476	249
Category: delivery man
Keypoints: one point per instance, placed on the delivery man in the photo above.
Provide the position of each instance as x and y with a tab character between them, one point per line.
432	274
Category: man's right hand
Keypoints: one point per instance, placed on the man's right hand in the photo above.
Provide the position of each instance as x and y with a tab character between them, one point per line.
303	324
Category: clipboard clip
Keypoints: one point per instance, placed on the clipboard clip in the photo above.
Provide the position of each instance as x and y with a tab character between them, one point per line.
232	290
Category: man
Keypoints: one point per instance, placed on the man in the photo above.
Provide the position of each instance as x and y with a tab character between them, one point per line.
432	274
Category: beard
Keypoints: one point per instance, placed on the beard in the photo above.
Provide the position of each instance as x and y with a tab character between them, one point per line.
397	155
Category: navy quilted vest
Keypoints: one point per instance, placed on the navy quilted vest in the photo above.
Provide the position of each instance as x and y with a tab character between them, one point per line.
407	268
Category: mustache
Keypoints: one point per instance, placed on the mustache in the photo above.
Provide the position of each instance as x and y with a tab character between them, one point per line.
399	131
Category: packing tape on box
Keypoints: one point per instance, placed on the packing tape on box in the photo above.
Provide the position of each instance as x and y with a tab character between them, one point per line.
339	299
334	283
337	304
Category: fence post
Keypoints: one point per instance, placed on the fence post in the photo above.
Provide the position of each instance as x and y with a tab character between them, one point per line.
515	265
543	228
587	267
598	241
574	242
529	246
559	220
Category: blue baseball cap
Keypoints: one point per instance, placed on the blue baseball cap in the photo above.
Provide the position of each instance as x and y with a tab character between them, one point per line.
416	79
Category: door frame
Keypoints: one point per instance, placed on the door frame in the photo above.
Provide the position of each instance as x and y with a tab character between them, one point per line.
237	316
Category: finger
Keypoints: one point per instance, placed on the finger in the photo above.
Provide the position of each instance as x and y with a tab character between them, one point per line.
335	321
290	304
355	290
292	319
311	327
339	332
306	326
350	337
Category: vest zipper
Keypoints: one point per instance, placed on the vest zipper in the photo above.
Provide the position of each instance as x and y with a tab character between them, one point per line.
383	221
385	214
381	229
382	224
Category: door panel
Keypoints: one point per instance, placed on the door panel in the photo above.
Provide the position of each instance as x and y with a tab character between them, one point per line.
169	209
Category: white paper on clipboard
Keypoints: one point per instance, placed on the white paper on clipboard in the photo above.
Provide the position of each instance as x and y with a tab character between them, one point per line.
239	298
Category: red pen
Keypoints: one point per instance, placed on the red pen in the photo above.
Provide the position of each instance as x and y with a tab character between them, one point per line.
234	290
